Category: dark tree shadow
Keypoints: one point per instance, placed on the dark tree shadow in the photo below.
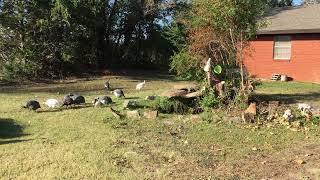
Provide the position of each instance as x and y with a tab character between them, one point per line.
288	98
128	98
10	129
13	141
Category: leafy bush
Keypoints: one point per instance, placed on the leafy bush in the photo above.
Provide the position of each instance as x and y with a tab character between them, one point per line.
186	66
166	105
210	100
16	70
316	120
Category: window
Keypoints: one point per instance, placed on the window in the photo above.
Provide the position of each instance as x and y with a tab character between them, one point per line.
282	48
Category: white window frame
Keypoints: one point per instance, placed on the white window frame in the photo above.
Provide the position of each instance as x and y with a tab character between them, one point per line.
277	39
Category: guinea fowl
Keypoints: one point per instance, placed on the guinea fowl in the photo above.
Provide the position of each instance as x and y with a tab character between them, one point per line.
67	101
107	85
52	103
118	93
32	105
140	85
78	99
99	101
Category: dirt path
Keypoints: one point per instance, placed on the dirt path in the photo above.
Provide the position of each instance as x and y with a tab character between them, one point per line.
282	165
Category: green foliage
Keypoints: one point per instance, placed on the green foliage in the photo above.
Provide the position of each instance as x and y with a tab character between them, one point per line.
215	29
279	3
57	38
186	66
209	100
166	105
315	120
209	117
217	69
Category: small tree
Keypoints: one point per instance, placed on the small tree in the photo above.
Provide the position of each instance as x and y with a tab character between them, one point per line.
221	29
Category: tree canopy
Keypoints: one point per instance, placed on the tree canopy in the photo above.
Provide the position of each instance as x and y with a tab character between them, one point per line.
57	37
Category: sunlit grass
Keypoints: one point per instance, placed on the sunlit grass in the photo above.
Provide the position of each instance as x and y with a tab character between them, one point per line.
88	143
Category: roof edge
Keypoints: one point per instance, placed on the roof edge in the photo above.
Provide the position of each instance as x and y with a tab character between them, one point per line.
291	31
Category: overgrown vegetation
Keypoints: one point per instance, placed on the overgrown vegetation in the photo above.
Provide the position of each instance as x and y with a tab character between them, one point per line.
59	37
166	105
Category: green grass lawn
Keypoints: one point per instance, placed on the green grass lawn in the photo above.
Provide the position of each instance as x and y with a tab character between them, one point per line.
88	143
291	92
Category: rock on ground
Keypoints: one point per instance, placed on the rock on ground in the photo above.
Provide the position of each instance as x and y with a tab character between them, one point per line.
133	114
151	114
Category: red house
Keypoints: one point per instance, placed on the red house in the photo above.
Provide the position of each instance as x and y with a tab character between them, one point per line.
288	45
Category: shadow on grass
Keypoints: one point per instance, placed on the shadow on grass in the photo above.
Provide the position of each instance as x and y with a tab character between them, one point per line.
65	87
288	98
13	141
129	98
9	129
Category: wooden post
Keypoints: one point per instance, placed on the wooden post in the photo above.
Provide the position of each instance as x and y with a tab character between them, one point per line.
208	70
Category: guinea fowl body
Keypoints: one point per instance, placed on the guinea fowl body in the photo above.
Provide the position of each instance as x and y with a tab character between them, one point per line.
140	85
67	101
107	85
118	93
78	99
103	100
52	103
32	105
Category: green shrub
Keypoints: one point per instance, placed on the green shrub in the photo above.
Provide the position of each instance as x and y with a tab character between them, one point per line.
186	66
15	70
209	99
166	105
315	120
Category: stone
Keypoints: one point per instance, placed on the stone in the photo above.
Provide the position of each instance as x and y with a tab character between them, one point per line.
249	114
174	93
151	114
252	109
133	114
129	104
299	161
194	94
190	87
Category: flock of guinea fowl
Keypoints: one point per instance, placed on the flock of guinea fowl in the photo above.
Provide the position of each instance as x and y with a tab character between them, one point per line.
75	99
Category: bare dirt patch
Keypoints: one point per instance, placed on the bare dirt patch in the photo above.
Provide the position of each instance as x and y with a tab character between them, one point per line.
300	161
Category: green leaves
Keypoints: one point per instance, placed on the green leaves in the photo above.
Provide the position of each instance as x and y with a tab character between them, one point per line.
217	69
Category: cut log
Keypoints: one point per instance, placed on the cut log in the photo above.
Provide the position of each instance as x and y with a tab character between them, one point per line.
174	93
190	87
194	95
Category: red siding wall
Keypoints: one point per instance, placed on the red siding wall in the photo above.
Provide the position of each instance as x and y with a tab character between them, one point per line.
304	64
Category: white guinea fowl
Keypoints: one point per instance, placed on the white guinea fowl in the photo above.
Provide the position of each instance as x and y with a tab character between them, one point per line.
52	103
140	85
